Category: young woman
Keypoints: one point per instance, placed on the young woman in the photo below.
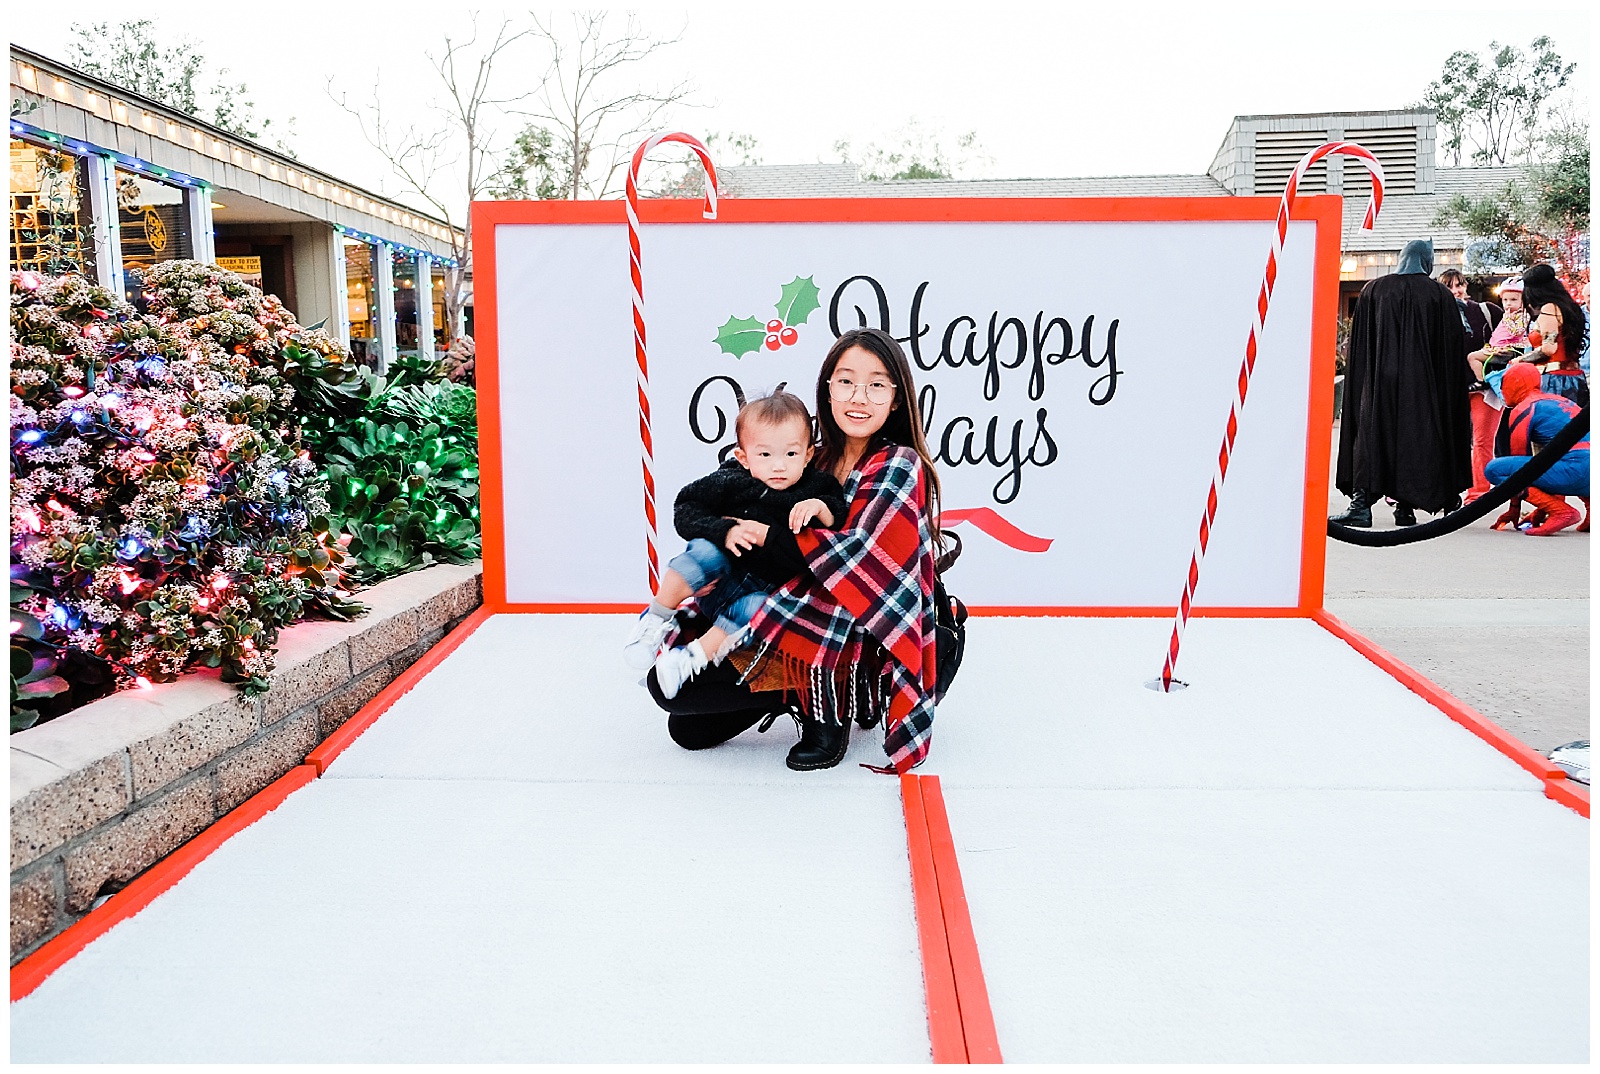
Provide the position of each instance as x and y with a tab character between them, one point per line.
852	636
1562	328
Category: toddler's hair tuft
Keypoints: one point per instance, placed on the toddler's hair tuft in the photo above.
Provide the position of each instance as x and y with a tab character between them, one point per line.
779	408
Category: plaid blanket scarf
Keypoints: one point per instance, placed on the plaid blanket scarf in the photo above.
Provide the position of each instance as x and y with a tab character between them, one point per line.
872	578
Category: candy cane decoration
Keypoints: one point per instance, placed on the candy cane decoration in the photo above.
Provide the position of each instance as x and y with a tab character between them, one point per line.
710	213
1348	149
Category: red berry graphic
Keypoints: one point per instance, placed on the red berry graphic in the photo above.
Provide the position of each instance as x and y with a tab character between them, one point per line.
774	325
788	335
773	343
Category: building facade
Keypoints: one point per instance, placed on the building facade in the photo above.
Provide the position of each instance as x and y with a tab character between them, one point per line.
1258	153
107	182
1256	157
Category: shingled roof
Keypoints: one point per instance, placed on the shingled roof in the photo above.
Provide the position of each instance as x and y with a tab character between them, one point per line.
844	181
1411	216
1404	216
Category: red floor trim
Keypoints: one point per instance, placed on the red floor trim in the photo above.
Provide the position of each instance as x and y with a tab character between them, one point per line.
1573	795
938	975
960	1021
977	1019
31	972
1554	778
368	714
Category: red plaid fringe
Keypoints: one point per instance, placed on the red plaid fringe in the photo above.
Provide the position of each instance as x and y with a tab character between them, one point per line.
871	578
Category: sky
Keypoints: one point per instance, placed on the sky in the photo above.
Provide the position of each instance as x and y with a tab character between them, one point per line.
1121	89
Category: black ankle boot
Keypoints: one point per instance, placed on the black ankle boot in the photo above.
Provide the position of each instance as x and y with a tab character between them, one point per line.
1404	515
1359	513
822	744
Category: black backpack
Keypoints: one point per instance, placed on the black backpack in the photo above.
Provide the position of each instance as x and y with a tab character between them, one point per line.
949	623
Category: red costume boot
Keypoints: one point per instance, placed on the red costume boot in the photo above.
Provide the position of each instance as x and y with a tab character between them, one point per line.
1583	527
1559	515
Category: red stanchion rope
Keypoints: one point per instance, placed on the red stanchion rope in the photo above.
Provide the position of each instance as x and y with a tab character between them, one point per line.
1269	278
645	438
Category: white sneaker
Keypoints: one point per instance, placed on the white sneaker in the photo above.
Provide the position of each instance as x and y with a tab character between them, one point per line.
677	666
644	640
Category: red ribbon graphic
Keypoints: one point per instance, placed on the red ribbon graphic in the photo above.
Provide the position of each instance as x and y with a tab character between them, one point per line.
989	521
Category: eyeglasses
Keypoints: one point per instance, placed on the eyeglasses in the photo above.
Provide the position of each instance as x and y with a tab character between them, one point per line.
843	389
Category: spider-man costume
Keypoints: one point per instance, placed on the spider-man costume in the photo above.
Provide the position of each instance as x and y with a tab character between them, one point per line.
1534	421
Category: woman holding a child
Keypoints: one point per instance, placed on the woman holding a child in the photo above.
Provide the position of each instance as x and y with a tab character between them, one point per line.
832	616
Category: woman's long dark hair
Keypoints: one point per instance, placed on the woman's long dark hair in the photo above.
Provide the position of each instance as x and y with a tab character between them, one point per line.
903	426
1539	286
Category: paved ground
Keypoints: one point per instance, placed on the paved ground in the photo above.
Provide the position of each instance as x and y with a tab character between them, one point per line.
1499	619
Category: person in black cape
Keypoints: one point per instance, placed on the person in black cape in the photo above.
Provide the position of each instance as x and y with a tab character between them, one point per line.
1406	430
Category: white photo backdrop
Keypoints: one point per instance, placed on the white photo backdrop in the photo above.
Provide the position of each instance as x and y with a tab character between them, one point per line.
1075	377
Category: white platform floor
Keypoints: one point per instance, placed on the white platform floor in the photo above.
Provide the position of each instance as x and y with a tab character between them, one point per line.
1294	860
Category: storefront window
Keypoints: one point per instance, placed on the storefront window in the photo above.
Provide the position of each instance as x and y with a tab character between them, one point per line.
361	296
441	324
153	225
405	303
50	226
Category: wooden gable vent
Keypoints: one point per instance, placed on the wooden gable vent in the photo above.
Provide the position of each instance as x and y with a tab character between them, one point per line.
1396	150
1277	152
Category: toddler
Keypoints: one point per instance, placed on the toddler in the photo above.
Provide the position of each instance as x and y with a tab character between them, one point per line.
1510	336
766	483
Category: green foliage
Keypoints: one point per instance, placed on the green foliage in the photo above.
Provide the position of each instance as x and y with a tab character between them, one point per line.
401	456
33	662
406	493
1541	216
534	168
1495	100
1560	186
415	369
130	54
452	406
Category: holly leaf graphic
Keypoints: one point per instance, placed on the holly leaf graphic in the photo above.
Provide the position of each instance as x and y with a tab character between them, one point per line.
741	335
796	301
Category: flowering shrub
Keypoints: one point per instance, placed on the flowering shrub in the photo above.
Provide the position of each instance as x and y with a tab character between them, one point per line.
164	513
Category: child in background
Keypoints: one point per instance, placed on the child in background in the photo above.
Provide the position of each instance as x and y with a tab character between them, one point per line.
1510	337
768	482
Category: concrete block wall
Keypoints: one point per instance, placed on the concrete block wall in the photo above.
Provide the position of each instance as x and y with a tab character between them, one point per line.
103	793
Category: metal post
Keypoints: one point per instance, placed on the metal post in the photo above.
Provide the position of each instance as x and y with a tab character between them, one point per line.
202	237
103	214
383	316
424	288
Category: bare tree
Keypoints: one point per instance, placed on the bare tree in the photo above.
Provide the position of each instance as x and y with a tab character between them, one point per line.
449	166
585	120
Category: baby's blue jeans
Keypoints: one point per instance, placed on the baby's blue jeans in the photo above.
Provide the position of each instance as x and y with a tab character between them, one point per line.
737	596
